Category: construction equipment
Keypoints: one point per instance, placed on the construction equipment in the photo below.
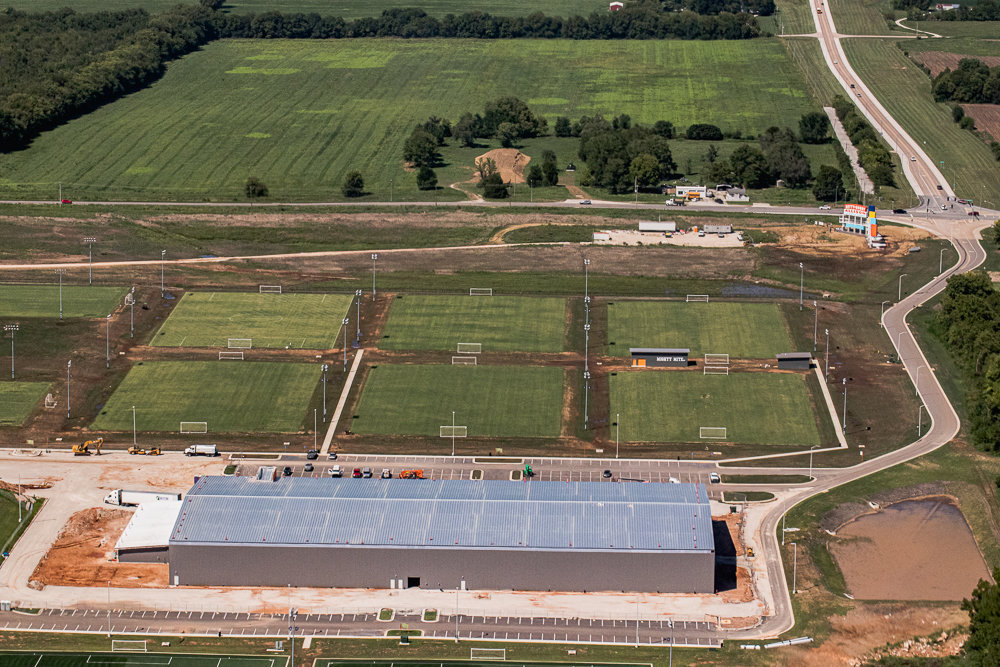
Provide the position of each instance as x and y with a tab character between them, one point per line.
412	474
153	451
84	449
528	472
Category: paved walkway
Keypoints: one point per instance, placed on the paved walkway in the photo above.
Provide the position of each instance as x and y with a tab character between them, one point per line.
852	152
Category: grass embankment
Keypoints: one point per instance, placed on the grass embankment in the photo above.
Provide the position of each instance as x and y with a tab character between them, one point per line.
26	301
10	528
791	17
862	17
18	399
807	55
765	479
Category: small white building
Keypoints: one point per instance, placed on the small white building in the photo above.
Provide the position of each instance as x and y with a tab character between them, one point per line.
692	191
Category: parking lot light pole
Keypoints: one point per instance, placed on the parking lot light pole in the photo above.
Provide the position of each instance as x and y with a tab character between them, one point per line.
618	426
845	404
916	383
374	257
357	293
586	286
131	314
882	314
315	428
133	426
453	439
69	369
163	256
586	399
90	240
325	367
586	347
899	292
795	565
60	272
346	322
802	276
670	624
12	328
815	323
827	373
107	344
109	607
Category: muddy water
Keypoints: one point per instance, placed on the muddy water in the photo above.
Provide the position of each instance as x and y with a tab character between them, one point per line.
914	550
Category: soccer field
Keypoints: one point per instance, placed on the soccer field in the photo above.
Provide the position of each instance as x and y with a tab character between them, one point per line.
744	330
43	300
209	319
136	659
499	323
492	401
230	395
18	399
755	408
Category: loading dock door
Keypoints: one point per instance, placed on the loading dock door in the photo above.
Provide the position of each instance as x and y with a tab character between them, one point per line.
413	582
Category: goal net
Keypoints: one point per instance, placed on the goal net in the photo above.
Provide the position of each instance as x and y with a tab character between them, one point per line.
712	432
716	370
270	289
487	654
480	291
240	343
194	427
231	355
470	348
130	645
697	297
716	359
463	361
454	431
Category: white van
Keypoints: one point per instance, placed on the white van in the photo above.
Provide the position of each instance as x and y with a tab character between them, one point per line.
336	471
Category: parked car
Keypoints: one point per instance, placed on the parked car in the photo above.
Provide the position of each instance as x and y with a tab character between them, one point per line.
332	456
67	201
312	455
287	472
367	472
721	235
607	474
386	473
701	232
335	471
674	480
713	478
308	468
356	473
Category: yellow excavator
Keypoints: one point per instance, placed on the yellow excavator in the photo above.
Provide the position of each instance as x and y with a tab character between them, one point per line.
84	449
153	451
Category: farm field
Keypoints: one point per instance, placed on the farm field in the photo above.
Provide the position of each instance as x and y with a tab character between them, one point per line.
492	401
978	29
862	17
499	323
791	17
741	330
755	408
300	114
805	52
232	396
965	46
43	300
135	659
209	319
904	90
18	399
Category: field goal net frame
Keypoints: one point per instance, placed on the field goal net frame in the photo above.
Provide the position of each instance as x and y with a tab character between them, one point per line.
464	361
189	430
701	298
712	432
269	289
480	291
716	359
231	355
480	653
129	645
239	343
469	348
716	370
450	431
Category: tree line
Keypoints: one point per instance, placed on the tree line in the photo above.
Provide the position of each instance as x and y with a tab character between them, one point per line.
873	155
984	10
972	82
756	7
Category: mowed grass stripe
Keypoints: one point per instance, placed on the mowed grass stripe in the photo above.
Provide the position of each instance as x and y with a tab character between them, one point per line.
338	105
209	319
43	300
236	396
124	659
756	408
492	401
500	323
743	330
18	399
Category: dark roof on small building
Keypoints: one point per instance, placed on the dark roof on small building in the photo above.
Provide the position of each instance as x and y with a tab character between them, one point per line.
659	350
794	355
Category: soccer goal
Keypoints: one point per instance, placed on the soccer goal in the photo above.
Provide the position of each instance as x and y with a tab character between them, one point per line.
454	432
697	297
716	359
463	361
270	289
240	343
194	427
480	291
712	432
470	348
716	370
231	355
130	645
487	654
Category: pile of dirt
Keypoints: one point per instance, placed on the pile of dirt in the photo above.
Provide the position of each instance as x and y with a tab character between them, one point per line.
510	163
82	553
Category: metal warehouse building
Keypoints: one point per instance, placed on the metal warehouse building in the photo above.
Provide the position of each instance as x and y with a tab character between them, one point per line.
577	536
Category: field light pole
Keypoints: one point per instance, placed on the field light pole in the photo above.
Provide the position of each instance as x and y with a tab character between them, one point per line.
315	425
109	608
586	347
802	276
60	272
325	367
670	624
131	315
845	404
69	368
374	257
133	426
358	293
795	565
12	328
827	355
586	399
815	323
107	344
586	286
811	460
453	453
163	256
899	293
346	322
90	240
618	426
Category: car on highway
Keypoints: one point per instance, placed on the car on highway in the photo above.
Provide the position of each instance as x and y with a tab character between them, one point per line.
859	95
940	188
585	202
287	472
713	478
824	207
312	455
899	211
852	85
607	474
308	468
386	473
357	473
913	158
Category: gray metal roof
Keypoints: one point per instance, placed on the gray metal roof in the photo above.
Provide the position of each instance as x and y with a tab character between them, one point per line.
794	355
659	350
446	513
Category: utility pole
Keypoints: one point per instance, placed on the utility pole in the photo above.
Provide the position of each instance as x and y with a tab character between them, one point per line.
815	324
12	328
90	240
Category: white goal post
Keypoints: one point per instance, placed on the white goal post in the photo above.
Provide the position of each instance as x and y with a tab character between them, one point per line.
487	654
716	359
470	348
194	427
480	291
454	432
712	432
231	355
463	361
697	297
130	645
240	343
716	370
270	289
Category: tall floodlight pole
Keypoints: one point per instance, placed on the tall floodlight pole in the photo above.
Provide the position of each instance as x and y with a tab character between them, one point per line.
795	566
916	383
586	400
374	257
12	328
315	428
163	257
90	240
586	287
827	374
69	369
899	295
109	607
346	322
802	276
133	426
453	450
60	272
815	324
586	347
670	624
845	404
618	426
357	294
325	367
131	314
292	614
107	344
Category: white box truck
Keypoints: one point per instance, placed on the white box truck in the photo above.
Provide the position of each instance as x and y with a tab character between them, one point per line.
201	450
123	497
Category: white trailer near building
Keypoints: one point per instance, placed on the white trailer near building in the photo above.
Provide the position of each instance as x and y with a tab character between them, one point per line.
126	497
657	226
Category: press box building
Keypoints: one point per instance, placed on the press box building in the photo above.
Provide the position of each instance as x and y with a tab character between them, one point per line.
450	534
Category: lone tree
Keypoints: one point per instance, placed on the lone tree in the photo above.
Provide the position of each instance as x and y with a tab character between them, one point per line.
814	127
427	179
255	188
983	645
354	184
534	176
829	185
550	171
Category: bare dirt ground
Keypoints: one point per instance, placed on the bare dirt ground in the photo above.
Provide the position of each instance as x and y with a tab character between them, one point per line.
939	61
510	163
81	555
822	241
987	116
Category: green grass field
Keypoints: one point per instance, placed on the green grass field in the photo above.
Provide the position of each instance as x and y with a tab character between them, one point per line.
968	46
209	319
136	659
805	52
862	17
43	300
500	323
230	395
978	29
492	401
300	114
18	399
791	17
905	92
745	330
755	408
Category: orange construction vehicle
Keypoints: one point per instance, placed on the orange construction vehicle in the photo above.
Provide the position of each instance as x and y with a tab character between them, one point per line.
84	449
412	474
